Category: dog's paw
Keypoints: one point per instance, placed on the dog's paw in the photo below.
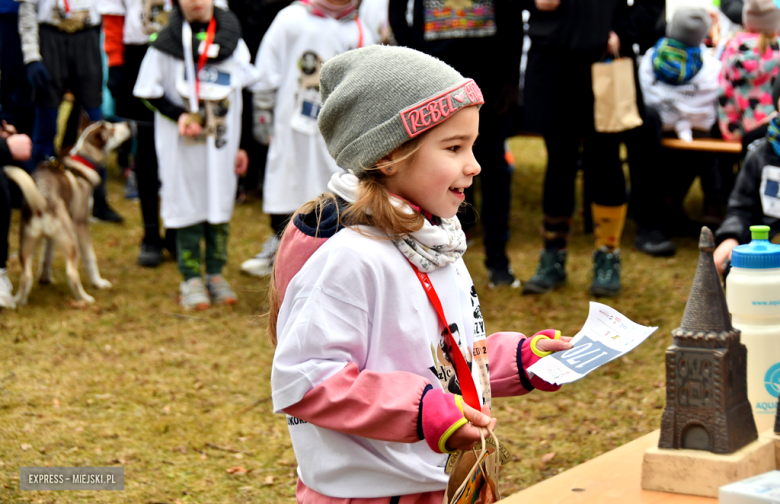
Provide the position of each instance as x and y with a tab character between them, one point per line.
86	298
102	283
46	280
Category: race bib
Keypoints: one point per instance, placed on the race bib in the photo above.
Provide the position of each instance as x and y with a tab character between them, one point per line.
216	82
770	191
307	108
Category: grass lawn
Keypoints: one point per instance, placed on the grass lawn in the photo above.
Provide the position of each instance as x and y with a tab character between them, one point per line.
134	381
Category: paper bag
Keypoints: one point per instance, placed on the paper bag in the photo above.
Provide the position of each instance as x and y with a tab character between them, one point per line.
614	96
474	480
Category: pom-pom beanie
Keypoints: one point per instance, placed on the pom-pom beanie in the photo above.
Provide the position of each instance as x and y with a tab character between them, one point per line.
761	16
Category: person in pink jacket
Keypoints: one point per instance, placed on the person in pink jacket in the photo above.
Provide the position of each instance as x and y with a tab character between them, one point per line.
364	367
750	64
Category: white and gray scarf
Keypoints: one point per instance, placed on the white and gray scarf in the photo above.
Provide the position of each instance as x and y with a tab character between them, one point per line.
428	248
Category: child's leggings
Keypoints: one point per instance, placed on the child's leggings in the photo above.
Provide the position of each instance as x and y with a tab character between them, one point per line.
188	248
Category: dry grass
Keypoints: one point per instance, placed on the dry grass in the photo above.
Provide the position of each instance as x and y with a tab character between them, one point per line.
133	381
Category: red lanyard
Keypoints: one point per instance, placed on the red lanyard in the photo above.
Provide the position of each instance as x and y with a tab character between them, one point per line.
67	5
467	387
360	32
205	54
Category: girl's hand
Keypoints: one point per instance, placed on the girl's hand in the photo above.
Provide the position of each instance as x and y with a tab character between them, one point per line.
468	435
554	345
189	127
242	162
723	252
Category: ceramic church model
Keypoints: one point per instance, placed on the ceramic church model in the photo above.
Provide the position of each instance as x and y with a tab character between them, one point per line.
706	370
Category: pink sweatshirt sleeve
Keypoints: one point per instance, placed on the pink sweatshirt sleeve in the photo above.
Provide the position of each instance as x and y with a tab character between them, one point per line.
510	356
397	406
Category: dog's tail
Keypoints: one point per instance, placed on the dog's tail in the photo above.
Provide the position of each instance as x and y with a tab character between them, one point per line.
83	171
32	195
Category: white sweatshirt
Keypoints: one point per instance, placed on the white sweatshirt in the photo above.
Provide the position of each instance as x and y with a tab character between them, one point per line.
357	300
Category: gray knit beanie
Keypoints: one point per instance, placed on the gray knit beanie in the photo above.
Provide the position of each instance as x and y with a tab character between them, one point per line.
761	16
689	26
376	98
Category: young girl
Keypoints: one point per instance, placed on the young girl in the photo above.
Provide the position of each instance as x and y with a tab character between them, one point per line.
750	63
301	38
197	132
362	367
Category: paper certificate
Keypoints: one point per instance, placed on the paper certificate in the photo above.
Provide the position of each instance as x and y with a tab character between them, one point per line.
606	335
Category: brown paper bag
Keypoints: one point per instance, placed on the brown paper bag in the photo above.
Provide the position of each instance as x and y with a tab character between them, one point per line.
614	96
474	480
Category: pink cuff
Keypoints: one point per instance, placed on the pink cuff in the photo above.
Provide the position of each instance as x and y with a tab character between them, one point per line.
442	415
530	355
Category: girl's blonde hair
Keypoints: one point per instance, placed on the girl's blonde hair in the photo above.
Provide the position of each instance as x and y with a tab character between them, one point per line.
372	208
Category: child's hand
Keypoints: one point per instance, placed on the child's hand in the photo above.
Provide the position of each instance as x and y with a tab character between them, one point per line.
7	130
242	162
554	345
468	435
188	126
20	147
723	252
547	5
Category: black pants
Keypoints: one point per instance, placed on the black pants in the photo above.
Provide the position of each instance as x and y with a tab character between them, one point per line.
495	181
15	105
600	163
146	167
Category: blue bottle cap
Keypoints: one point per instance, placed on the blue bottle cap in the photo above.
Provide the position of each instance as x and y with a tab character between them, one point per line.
759	253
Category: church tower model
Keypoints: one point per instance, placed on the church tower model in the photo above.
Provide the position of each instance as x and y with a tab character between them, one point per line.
706	370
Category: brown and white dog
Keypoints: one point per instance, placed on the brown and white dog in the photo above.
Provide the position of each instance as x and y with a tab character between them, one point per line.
57	207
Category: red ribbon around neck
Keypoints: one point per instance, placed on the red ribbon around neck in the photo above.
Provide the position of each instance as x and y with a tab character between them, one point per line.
467	387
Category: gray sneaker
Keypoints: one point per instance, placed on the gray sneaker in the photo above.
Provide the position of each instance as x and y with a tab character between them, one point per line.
194	295
262	264
6	299
220	291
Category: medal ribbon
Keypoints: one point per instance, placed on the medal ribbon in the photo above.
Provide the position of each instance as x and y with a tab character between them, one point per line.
467	387
186	34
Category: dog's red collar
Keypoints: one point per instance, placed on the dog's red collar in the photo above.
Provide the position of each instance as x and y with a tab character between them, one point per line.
84	161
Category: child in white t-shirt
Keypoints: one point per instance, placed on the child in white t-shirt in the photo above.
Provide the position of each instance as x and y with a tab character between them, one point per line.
365	368
287	101
197	133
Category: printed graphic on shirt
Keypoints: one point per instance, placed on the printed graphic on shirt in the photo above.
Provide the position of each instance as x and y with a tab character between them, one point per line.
444	368
73	15
154	15
216	84
480	348
445	19
307	97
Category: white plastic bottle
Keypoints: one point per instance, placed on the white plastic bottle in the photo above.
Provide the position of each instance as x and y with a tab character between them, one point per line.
753	296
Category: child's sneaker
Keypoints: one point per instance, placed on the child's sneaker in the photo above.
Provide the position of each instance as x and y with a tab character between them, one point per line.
194	295
220	291
262	264
6	299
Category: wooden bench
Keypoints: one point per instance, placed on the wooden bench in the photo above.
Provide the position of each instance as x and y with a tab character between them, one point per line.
703	145
612	478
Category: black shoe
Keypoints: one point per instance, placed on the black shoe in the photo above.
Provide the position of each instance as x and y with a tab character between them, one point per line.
654	243
502	275
550	273
106	214
606	273
151	255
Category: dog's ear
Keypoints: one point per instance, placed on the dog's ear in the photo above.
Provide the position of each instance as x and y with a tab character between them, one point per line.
99	137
